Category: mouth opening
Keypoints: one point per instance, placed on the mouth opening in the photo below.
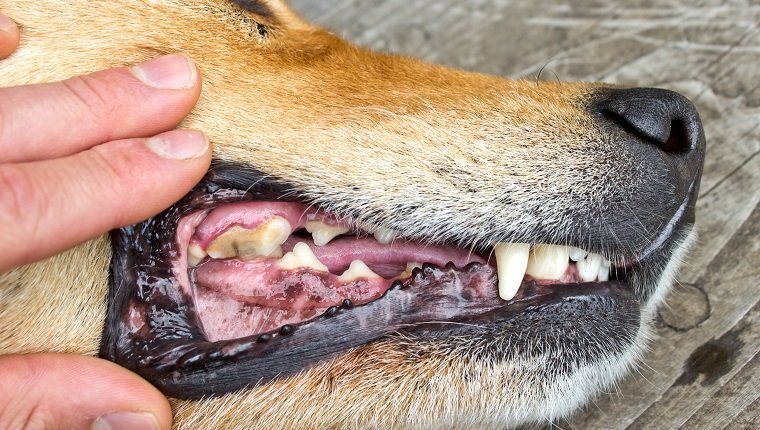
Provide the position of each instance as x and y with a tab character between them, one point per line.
256	267
234	286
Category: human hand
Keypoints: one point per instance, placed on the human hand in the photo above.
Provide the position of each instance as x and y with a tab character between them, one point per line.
75	162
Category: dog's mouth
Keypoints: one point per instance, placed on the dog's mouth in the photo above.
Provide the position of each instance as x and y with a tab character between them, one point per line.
263	268
234	286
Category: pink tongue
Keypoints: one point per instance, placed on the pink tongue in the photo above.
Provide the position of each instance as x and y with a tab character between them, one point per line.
386	260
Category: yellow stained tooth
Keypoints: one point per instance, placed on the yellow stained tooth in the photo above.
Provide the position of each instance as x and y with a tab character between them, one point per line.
357	269
195	254
511	262
301	256
409	268
322	233
548	261
263	241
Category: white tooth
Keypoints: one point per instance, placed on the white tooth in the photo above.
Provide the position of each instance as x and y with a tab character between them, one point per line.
323	233
604	271
511	262
195	254
357	270
385	235
548	261
577	254
264	240
588	268
301	256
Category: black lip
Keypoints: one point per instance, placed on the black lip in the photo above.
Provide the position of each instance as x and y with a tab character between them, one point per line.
170	349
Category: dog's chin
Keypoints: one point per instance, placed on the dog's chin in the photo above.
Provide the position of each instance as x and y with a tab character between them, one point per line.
202	304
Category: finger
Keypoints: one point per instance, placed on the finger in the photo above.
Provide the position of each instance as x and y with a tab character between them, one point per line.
53	120
48	206
58	391
9	35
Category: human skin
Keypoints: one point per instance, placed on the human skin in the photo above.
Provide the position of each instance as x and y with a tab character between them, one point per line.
75	156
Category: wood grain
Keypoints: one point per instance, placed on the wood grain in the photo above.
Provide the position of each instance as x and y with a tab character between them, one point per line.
702	370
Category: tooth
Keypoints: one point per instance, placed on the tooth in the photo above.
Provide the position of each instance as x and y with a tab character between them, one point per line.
588	268
301	256
409	268
195	254
264	240
385	235
604	271
357	270
548	261
323	233
511	262
577	254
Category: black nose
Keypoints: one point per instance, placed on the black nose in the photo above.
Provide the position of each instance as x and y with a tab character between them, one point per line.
665	118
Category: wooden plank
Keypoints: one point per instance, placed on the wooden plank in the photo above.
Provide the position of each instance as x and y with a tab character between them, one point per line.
708	50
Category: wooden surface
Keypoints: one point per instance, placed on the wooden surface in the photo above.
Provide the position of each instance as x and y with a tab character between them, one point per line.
703	370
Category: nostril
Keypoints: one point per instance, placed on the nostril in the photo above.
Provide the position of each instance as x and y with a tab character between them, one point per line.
678	141
661	117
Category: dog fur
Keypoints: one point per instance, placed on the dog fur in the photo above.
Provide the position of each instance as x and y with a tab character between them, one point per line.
350	129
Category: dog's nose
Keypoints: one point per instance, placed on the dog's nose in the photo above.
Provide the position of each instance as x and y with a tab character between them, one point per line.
665	119
661	117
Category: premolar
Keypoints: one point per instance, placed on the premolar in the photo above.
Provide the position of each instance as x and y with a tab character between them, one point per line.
263	241
301	256
357	270
385	235
323	233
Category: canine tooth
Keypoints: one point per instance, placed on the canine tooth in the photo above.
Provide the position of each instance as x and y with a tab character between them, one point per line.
511	262
604	272
357	270
323	233
301	256
385	235
588	268
195	254
577	254
265	240
548	261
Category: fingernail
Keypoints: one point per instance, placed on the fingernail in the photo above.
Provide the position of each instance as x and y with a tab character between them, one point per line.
179	144
126	421
170	72
6	24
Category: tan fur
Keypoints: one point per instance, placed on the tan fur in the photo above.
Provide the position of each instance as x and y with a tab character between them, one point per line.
325	116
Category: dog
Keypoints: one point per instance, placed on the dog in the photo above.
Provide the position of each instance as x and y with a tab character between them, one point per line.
379	243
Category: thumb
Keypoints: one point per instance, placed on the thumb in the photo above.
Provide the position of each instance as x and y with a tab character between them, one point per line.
52	391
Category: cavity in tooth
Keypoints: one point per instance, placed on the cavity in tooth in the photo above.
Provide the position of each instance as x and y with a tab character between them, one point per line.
548	261
604	271
264	240
511	262
357	270
577	254
588	268
323	233
385	235
301	256
195	254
